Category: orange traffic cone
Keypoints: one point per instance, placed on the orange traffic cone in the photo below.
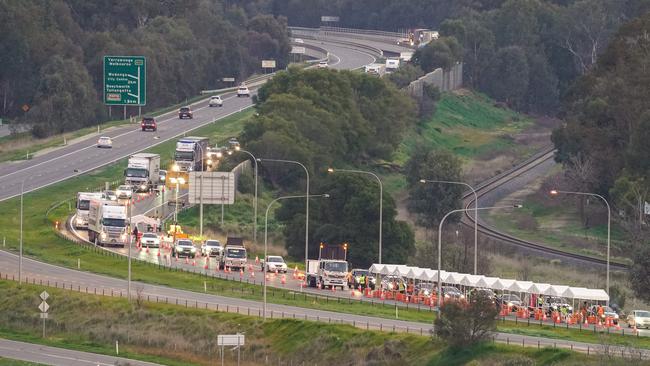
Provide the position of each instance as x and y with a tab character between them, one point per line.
193	262
257	260
284	279
241	272
158	253
176	257
147	250
187	260
252	274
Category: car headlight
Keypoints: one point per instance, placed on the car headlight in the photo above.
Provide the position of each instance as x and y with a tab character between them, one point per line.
509	304
175	168
209	161
103	235
162	178
123	236
193	250
462	296
143	186
79	220
553	307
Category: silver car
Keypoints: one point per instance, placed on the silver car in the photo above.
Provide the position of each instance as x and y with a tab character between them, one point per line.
211	248
150	240
105	141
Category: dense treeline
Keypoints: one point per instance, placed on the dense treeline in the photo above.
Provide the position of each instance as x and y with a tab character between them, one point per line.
325	118
604	140
525	53
51	53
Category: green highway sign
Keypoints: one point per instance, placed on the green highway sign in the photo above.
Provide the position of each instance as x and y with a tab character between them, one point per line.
125	80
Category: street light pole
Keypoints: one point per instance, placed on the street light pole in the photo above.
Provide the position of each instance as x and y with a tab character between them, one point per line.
237	148
381	195
440	243
201	193
20	257
266	235
306	203
475	215
130	234
555	192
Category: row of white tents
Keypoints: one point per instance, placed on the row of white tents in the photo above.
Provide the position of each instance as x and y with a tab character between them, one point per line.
493	283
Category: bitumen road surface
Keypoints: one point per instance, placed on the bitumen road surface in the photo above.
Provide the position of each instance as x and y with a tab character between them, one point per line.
84	156
38	272
59	356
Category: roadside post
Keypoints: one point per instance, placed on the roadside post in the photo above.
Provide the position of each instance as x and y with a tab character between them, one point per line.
44	307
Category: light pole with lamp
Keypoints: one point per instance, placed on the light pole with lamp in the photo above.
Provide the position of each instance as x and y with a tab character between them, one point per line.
237	148
381	195
555	192
203	156
306	203
178	181
475	214
20	257
266	231
439	284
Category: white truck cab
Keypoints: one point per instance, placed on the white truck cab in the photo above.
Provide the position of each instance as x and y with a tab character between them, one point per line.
327	273
83	205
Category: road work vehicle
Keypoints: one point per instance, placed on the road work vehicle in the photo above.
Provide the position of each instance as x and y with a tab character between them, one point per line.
107	223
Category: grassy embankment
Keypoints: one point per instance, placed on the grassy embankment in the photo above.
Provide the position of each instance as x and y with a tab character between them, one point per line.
175	335
556	222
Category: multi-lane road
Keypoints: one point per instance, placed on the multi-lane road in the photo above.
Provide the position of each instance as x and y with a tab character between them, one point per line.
83	156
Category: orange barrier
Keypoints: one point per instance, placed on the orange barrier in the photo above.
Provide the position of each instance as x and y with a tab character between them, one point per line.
505	310
592	319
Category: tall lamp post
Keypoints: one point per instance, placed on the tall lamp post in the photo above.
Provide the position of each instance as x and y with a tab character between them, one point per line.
203	156
237	148
266	231
306	203
555	192
178	181
440	242
20	257
475	214
381	195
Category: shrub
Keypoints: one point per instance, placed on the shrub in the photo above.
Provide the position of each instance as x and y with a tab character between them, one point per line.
462	323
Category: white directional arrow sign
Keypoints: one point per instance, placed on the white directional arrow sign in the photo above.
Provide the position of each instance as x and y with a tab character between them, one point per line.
44	307
44	295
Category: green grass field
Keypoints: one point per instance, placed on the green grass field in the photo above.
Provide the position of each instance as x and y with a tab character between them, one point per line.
8	362
174	335
467	125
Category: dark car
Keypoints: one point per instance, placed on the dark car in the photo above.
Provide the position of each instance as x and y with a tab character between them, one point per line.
451	292
149	123
185	112
355	279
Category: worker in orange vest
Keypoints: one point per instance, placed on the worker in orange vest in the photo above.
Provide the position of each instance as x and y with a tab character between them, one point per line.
601	312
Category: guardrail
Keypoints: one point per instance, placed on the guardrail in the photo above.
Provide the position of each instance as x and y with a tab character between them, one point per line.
340	32
373	50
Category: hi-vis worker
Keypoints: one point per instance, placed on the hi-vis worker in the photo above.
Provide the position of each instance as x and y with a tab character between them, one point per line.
362	280
601	312
401	287
540	301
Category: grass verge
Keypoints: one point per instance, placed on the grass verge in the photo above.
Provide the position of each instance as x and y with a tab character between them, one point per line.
174	335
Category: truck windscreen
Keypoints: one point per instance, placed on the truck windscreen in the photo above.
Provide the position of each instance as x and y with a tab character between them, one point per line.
114	222
137	173
83	205
236	253
184	155
336	266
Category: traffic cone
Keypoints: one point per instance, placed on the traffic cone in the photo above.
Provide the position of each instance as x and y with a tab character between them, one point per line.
284	279
544	316
257	259
158	254
250	268
634	330
252	274
207	262
147	251
241	272
176	257
193	262
187	260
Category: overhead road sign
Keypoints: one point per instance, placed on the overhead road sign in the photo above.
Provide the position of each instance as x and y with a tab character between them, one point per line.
125	80
228	80
296	49
212	188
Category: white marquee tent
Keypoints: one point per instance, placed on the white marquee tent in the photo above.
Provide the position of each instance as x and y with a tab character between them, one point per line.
494	283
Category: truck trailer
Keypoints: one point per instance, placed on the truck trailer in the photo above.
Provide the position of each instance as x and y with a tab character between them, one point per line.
142	172
83	205
107	223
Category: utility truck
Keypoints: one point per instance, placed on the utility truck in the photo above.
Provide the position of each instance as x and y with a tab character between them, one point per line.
83	205
107	223
142	172
234	254
329	270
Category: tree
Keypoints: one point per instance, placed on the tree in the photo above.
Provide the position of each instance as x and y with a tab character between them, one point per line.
463	324
507	76
432	200
442	53
640	274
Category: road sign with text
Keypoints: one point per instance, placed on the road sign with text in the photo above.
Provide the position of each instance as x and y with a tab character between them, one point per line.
212	188
230	340
125	81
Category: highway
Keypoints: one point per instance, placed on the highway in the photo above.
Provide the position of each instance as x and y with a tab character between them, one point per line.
49	275
83	156
59	356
